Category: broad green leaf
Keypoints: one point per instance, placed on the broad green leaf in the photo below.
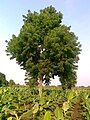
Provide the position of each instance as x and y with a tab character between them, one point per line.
1	91
35	108
88	116
26	114
88	105
70	95
42	100
10	118
47	115
41	108
59	114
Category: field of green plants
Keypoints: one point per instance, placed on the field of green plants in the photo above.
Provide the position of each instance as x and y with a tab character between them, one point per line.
24	103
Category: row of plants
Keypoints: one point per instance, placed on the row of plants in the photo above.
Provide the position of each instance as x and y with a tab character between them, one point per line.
24	103
85	97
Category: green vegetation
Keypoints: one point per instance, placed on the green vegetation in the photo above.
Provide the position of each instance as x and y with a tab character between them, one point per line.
46	48
3	81
11	82
23	103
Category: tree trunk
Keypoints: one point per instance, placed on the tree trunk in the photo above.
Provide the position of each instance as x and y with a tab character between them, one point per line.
40	86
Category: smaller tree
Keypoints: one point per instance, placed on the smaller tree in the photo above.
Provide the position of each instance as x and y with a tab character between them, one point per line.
3	81
11	82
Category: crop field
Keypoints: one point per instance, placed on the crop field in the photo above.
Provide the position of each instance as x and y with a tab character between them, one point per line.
24	103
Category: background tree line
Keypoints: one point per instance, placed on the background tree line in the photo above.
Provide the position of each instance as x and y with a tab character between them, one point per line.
4	82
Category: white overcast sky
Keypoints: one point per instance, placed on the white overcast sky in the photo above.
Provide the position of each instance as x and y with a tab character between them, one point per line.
75	13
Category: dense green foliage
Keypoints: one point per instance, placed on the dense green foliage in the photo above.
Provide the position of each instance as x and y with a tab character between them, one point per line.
3	81
11	82
46	48
23	103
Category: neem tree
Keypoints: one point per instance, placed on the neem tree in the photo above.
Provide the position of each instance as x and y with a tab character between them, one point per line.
46	48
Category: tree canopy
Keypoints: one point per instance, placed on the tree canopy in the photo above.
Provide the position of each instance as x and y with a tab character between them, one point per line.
46	48
3	81
11	82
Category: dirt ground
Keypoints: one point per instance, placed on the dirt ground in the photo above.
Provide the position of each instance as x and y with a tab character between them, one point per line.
76	114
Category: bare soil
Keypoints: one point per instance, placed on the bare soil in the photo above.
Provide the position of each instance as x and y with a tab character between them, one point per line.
76	113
